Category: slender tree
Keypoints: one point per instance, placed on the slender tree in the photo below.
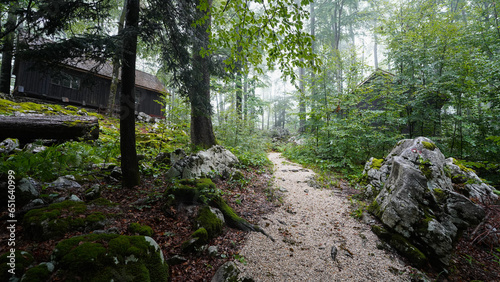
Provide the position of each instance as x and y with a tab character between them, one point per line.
129	162
8	50
116	65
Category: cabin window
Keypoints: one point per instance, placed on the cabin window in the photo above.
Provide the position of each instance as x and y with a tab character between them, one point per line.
66	80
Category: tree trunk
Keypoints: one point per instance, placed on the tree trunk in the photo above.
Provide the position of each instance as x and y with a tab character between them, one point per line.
202	134
129	162
29	128
302	101
116	66
7	53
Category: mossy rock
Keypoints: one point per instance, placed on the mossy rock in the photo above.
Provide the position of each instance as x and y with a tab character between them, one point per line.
376	163
192	191
402	245
39	273
107	257
374	208
209	220
429	145
58	219
198	239
440	195
136	228
22	261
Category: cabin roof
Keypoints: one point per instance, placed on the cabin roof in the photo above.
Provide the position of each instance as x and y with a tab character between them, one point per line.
142	79
378	72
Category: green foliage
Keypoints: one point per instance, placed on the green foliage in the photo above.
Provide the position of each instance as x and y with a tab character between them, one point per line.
75	158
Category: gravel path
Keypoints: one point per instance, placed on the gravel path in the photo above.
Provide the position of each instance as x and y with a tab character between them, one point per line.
310	223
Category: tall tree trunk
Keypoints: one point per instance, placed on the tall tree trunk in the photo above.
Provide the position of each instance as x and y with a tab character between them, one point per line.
313	48
375	47
302	101
202	134
8	52
245	97
116	66
129	162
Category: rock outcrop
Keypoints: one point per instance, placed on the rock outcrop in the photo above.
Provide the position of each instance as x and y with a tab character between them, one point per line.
415	197
214	160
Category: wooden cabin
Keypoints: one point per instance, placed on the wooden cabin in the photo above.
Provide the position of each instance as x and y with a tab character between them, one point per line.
79	84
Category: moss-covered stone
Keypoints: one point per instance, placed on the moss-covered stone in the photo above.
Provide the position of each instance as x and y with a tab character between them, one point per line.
201	233
408	250
439	194
19	265
429	145
374	208
39	273
136	228
376	163
58	219
402	245
207	219
197	239
106	257
191	191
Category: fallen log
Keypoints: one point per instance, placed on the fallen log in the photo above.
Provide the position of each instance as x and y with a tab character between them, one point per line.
27	128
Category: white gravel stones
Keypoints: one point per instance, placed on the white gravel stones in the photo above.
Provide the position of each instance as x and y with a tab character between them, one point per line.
306	228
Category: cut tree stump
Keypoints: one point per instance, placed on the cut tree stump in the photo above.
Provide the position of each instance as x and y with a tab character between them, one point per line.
31	127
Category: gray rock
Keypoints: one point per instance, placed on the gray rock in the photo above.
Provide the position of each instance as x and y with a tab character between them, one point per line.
474	186
227	272
34	148
93	192
415	197
176	156
66	182
144	117
214	160
116	172
75	198
213	251
175	260
334	252
26	191
8	145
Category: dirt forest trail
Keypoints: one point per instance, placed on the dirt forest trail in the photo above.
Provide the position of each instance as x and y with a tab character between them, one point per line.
311	227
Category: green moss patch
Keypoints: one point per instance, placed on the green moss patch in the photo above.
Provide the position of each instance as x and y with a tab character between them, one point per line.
22	261
207	219
136	228
39	273
191	191
429	145
377	163
58	219
106	257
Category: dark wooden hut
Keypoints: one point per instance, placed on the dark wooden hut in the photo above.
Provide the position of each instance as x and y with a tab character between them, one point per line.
80	84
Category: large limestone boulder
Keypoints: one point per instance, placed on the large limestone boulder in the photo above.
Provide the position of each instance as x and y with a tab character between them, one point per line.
414	196
214	160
